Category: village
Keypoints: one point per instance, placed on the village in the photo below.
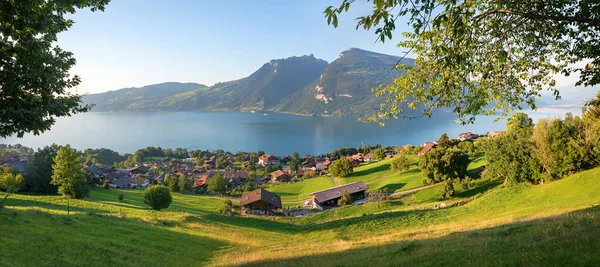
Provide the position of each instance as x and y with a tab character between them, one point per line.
248	176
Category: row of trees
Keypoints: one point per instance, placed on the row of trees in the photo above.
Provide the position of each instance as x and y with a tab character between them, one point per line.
549	150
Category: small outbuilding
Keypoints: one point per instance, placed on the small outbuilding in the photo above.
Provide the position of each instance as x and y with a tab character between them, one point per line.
330	197
260	202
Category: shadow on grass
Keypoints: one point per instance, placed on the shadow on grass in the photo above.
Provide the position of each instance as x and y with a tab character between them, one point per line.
39	238
380	168
564	240
393	187
480	189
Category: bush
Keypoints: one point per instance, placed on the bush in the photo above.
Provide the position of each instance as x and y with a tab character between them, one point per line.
447	190
105	185
346	199
121	196
227	208
158	197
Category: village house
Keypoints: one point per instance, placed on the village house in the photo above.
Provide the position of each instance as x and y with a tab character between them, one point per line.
280	176
323	166
303	171
330	197
467	136
260	202
286	159
493	134
138	170
267	159
236	178
309	162
368	157
426	147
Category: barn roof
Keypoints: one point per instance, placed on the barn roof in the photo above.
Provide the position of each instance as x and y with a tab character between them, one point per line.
261	194
336	192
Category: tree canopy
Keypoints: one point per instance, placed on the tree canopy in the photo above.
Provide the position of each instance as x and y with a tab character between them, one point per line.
341	167
34	71
478	57
67	173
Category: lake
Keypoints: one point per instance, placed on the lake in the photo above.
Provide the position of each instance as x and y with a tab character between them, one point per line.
277	134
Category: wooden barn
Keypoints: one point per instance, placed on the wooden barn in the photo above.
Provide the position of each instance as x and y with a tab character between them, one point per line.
330	197
260	202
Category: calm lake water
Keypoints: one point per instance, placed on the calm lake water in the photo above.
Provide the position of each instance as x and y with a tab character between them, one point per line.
278	134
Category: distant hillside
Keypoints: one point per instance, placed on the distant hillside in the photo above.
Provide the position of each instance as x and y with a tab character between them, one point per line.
137	98
345	86
264	88
301	85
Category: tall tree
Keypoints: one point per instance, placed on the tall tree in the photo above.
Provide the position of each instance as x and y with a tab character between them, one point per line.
217	184
34	71
444	142
443	165
67	173
482	56
39	171
378	154
509	155
341	167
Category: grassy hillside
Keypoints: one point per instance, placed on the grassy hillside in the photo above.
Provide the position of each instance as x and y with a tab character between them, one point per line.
296	192
551	224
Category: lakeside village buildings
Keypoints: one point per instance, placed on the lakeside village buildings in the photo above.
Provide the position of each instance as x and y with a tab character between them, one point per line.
259	201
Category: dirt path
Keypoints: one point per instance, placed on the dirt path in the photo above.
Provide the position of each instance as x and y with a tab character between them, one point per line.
415	189
335	182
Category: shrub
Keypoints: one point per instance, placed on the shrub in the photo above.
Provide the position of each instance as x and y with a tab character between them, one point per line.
346	199
121	196
105	185
158	197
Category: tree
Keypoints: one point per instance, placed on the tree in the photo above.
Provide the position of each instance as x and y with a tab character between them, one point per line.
447	190
294	165
346	199
296	156
29	103
400	163
377	196
467	147
341	167
378	154
11	181
227	208
67	173
185	184
173	183
444	142
463	49
509	155
444	165
39	171
106	185
217	184
158	197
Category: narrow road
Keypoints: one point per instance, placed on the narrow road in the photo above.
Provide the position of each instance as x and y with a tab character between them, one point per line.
415	189
335	182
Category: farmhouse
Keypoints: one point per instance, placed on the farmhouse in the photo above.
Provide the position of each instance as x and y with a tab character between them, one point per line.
268	159
260	201
280	176
426	147
330	197
138	170
467	136
493	134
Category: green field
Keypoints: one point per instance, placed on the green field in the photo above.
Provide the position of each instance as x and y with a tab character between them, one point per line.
551	224
296	192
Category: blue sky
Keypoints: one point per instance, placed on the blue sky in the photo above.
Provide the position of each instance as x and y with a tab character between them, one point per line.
135	43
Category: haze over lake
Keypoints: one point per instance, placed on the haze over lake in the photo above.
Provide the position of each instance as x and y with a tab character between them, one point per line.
278	134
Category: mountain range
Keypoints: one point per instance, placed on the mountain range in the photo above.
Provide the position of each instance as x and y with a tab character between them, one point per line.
300	85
